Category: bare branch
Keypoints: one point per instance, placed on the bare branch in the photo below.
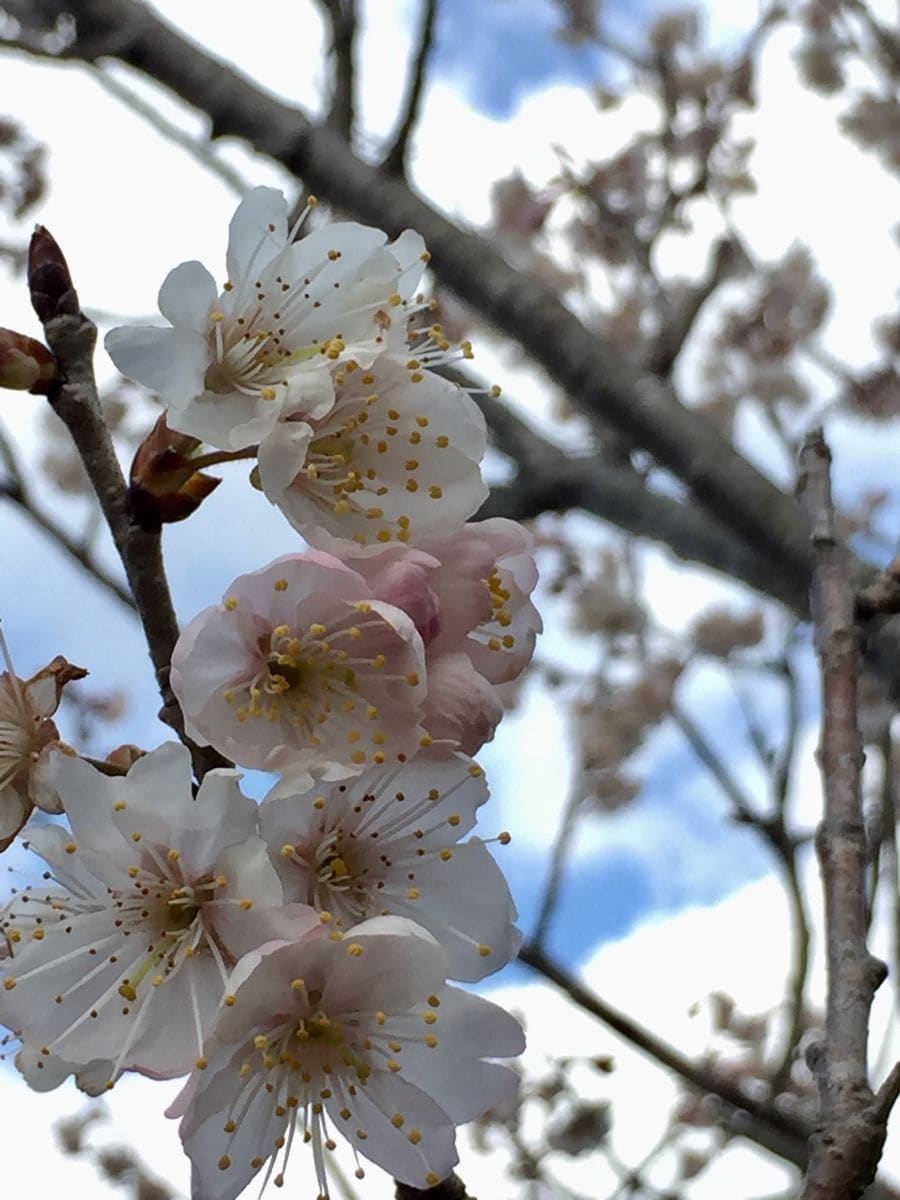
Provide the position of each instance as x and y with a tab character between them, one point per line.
598	377
760	1122
395	160
71	337
341	17
847	1142
16	489
198	148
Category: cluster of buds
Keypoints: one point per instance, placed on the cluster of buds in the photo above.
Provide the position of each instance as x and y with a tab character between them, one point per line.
293	956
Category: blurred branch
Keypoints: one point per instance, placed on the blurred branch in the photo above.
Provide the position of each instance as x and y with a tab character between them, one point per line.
774	832
73	397
619	495
342	21
761	1122
557	867
847	1142
395	160
199	147
600	379
15	489
676	328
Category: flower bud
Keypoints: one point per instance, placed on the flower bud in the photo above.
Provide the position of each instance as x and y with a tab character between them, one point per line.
26	365
49	281
165	484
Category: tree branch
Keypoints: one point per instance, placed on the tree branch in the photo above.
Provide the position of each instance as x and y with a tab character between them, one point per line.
600	380
71	337
394	161
16	490
341	16
760	1122
847	1143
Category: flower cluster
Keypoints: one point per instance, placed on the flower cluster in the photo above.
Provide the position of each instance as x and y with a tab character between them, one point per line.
292	957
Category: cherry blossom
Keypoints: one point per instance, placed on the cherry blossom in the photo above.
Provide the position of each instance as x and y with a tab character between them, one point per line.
388	842
228	363
27	735
354	1034
395	459
302	670
122	962
469	595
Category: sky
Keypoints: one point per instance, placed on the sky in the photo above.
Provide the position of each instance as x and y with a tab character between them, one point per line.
502	89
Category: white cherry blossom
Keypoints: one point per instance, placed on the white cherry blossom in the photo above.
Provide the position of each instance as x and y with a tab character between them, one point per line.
388	843
396	458
302	671
27	736
229	362
354	1035
123	963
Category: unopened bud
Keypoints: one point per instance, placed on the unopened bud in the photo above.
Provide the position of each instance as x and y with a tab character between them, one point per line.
49	281
26	365
165	484
125	756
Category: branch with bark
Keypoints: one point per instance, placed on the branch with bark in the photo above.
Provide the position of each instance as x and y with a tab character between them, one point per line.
73	397
847	1142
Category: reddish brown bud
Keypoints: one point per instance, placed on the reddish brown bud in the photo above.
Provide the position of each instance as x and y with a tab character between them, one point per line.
165	484
125	756
26	365
49	281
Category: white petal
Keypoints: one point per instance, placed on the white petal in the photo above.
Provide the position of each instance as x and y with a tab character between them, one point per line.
170	362
187	295
257	233
383	1096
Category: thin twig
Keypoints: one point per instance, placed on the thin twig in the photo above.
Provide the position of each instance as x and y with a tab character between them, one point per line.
557	864
759	1121
394	161
847	1143
341	16
16	490
71	337
784	848
199	148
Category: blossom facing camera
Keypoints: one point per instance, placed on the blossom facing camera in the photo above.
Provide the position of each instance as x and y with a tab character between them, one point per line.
302	671
356	1035
121	963
230	363
396	459
388	842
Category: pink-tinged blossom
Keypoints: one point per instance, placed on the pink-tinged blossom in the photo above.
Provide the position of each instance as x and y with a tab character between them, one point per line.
396	459
229	363
388	843
469	594
354	1035
303	671
123	964
27	736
